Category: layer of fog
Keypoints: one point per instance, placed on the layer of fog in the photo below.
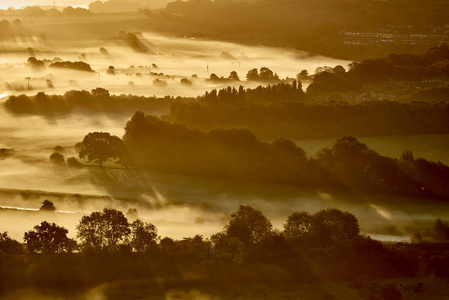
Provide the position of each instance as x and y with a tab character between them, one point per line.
177	205
5	4
175	57
184	206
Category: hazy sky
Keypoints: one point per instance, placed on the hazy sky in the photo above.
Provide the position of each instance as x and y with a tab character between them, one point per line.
19	3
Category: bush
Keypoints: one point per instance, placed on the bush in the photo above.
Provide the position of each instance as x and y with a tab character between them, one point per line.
57	158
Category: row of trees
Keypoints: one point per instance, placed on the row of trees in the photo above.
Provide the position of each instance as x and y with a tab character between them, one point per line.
7	28
270	116
97	100
103	231
151	143
37	11
110	231
404	67
230	96
325	246
237	154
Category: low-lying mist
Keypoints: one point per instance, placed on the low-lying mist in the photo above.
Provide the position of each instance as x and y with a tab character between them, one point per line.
158	72
179	206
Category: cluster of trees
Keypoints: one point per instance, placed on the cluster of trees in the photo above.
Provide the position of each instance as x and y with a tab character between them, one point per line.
357	166
76	65
269	115
7	28
37	11
230	96
404	67
98	100
238	154
233	76
106	231
9	245
38	65
110	231
264	75
324	246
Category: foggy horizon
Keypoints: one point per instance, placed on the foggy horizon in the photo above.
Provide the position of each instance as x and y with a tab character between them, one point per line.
247	149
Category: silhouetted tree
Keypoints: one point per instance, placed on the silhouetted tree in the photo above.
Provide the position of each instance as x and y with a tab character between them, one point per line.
8	245
110	70
266	74
103	230
47	206
143	236
330	225
249	225
160	82
197	247
168	245
214	77
252	74
298	224
57	158
186	81
228	249
47	238
234	76
35	63
303	76
77	65
104	51
101	146
101	94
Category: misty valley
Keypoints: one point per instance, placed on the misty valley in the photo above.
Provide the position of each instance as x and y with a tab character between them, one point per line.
149	152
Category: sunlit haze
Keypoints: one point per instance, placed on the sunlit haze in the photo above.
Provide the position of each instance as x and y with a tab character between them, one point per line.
20	3
224	149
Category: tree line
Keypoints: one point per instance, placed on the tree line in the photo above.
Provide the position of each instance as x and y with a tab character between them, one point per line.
237	154
326	245
395	67
37	11
271	111
110	231
98	100
272	114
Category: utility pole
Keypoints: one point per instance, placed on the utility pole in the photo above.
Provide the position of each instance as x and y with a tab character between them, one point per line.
28	78
207	68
